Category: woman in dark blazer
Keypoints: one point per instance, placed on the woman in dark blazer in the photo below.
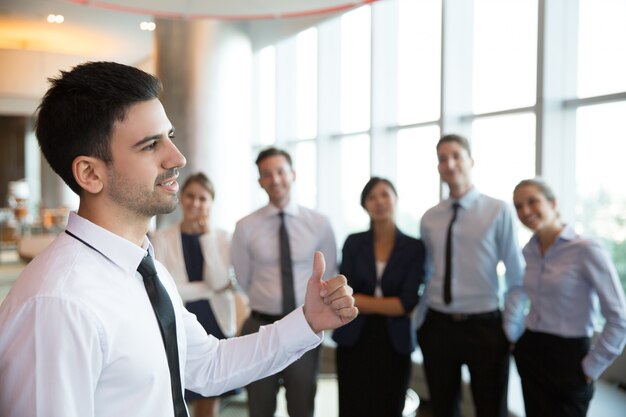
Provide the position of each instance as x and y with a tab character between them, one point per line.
385	268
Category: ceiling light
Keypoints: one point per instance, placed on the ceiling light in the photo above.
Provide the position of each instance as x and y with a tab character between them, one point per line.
147	26
55	18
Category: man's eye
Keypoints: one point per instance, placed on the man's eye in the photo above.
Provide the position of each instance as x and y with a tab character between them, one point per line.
171	135
151	146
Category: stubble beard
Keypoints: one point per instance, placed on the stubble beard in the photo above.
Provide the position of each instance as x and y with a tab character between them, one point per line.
143	203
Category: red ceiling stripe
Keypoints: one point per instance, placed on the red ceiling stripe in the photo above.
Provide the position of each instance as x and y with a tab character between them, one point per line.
179	15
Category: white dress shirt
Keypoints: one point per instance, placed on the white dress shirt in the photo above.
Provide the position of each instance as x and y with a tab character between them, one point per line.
255	253
483	235
78	336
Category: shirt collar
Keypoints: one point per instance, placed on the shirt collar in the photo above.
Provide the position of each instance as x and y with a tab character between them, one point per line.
291	209
568	233
118	250
467	199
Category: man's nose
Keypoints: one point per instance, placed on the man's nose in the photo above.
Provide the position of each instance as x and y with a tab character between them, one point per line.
175	158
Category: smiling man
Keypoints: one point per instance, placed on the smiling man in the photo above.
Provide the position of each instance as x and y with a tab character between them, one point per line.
94	326
466	236
271	251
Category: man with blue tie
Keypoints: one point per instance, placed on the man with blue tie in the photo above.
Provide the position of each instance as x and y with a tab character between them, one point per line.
466	236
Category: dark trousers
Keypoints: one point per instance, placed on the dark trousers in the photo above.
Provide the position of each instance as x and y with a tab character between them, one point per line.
553	382
447	343
299	380
372	377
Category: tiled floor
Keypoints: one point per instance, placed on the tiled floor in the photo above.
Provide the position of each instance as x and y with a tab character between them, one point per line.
325	403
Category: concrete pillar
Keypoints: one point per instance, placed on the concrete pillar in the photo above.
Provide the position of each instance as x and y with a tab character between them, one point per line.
206	69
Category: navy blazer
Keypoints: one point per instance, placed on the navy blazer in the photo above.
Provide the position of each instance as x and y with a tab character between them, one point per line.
402	277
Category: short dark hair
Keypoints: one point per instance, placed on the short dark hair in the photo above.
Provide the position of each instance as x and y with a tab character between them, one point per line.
272	151
461	140
371	184
78	112
201	179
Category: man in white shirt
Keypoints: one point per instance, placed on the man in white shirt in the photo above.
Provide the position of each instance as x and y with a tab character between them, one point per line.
79	335
259	262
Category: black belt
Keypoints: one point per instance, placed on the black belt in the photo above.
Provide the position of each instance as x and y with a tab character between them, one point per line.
269	318
489	315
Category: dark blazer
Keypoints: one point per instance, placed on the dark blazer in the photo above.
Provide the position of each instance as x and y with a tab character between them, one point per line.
402	277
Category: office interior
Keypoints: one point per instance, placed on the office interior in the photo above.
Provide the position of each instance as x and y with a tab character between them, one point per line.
352	90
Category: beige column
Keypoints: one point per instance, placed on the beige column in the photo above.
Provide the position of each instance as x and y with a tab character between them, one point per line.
206	69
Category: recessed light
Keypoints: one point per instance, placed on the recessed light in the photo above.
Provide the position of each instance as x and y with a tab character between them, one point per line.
150	26
55	18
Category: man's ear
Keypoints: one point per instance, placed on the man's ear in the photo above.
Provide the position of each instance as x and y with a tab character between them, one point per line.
89	173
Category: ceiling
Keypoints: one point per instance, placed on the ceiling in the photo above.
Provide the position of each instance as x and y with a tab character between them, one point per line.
109	29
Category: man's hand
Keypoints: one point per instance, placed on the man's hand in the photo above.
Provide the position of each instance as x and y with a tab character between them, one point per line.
327	304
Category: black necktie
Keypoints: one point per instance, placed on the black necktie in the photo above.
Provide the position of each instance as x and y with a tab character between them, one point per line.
286	268
164	312
447	277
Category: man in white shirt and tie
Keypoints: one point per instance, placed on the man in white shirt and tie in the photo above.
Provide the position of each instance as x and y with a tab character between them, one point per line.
83	333
271	252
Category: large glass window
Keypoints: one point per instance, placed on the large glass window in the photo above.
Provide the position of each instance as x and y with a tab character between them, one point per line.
487	89
419	61
306	84
266	108
305	165
503	148
354	174
601	47
600	191
417	176
505	54
355	70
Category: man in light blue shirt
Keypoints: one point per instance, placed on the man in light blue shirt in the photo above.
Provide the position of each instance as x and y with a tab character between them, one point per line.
466	236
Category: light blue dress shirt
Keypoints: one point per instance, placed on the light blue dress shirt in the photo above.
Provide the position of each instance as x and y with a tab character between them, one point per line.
562	286
483	235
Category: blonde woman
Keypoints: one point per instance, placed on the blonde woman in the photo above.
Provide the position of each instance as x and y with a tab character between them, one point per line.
556	359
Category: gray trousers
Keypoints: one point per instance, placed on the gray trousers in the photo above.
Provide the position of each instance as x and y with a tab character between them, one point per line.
299	380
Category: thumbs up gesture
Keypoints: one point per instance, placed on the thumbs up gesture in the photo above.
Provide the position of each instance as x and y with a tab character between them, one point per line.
327	304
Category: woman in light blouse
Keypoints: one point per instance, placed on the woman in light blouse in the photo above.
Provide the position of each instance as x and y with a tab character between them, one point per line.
565	272
198	257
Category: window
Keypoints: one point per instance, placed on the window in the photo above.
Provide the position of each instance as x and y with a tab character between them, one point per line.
419	61
373	89
503	148
505	45
306	84
354	173
266	107
600	191
417	176
355	70
601	47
